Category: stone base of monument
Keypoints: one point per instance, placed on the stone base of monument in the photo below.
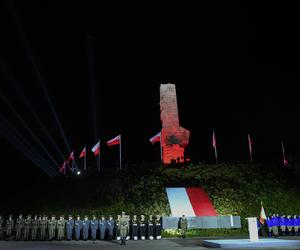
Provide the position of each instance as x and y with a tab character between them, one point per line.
246	243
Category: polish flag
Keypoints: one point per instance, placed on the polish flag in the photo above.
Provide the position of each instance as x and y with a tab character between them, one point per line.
71	157
262	216
63	168
96	148
83	153
155	138
114	141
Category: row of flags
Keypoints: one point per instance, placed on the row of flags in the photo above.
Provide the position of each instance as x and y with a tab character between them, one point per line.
156	138
250	145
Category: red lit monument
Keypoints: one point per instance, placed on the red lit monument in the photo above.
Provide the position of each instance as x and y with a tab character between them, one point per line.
174	138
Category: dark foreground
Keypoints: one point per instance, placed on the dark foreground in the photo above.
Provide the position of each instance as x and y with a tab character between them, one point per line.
167	244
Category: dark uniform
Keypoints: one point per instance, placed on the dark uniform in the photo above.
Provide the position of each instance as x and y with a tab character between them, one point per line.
52	227
1	228
142	231
85	228
183	225
61	228
157	226
78	227
43	227
110	224
34	228
94	227
124	227
70	228
150	228
27	225
134	227
9	227
117	228
19	227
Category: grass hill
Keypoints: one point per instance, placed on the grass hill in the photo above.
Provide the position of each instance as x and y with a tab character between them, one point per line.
235	189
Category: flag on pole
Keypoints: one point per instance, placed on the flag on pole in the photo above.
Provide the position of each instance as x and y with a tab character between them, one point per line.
63	168
214	144
262	216
96	148
250	147
155	138
114	141
83	153
71	157
285	162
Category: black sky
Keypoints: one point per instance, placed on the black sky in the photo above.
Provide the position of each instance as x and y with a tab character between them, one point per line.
235	67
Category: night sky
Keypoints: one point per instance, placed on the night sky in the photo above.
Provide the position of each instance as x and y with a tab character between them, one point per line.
235	68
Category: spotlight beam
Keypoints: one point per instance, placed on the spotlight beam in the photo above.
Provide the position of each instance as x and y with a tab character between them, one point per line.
38	74
17	136
17	115
31	109
22	148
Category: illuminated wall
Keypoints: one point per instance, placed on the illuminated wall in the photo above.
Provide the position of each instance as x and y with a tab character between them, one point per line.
174	138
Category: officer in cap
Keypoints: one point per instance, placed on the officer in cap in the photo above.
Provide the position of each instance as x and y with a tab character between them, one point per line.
61	228
157	226
150	227
103	226
183	225
9	226
110	224
124	227
52	223
70	227
85	228
34	228
134	228
94	227
142	231
19	227
78	227
43	227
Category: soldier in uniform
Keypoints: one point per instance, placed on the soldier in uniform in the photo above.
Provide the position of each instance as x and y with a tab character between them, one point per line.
34	227
78	227
1	227
275	225
134	228
282	224
150	227
85	228
110	224
52	223
9	227
70	227
142	228
289	225
102	227
19	227
43	227
296	224
94	227
157	228
269	222
61	228
124	227
117	228
27	225
183	225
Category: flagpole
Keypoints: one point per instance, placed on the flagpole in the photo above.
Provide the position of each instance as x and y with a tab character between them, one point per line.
99	158
250	149
120	153
85	158
216	155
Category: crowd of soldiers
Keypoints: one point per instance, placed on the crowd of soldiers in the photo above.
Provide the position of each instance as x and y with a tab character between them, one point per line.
281	225
43	228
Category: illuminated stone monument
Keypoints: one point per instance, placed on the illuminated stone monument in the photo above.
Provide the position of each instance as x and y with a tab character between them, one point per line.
174	138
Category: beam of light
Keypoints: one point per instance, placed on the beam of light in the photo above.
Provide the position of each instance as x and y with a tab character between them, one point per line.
18	116
22	148
31	108
38	73
91	57
16	136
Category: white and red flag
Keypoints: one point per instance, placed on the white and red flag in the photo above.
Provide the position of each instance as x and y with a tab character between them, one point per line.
155	138
83	153
114	141
71	157
214	144
96	148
